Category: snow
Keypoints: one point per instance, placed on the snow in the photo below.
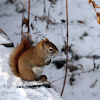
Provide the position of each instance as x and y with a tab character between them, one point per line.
21	94
83	46
9	83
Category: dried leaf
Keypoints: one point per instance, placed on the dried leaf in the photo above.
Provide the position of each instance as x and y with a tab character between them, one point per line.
80	21
98	18
32	26
97	7
90	1
94	4
25	21
50	22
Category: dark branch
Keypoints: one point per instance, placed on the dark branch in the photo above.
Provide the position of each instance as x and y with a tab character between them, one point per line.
35	86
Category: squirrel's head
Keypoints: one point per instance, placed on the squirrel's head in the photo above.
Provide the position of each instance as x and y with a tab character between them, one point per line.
49	48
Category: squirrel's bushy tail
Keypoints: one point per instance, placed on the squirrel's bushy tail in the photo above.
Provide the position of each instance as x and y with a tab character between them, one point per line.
25	44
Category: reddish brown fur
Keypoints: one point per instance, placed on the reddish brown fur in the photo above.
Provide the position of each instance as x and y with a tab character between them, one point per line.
17	52
25	57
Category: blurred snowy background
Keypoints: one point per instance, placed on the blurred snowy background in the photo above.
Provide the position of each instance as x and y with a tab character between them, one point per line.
83	79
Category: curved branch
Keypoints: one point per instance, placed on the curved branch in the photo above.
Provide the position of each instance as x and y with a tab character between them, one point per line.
66	50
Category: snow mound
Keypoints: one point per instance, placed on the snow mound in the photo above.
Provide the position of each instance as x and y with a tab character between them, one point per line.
13	93
9	83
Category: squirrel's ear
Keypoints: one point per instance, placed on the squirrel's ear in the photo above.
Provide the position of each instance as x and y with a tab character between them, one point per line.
46	39
43	44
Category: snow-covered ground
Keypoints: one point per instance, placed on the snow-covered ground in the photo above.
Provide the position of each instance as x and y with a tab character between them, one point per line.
9	84
84	36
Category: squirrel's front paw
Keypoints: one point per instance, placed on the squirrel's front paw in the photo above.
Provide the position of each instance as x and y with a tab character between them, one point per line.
42	78
48	62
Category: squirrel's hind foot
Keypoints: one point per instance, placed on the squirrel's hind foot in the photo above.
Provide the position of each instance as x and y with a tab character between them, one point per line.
42	78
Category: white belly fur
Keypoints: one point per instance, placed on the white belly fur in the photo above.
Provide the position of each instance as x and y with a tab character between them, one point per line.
38	71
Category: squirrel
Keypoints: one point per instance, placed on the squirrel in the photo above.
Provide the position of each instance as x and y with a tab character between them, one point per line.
27	61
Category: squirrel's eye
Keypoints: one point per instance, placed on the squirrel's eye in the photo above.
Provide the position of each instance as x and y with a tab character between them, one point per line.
50	49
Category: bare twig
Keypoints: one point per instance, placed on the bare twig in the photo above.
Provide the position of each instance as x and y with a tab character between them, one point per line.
7	44
90	70
34	86
22	17
28	15
49	10
94	84
5	34
44	9
73	74
56	80
66	49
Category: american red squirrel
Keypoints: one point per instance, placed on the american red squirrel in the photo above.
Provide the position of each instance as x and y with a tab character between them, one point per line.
27	61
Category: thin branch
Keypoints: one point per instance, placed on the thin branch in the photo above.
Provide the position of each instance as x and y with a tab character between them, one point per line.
90	70
44	9
7	44
66	50
56	80
22	18
93	85
28	15
34	86
5	34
